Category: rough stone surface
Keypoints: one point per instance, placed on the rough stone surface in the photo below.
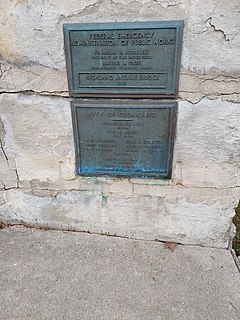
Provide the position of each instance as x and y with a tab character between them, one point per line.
210	49
38	135
37	172
55	275
207	152
185	215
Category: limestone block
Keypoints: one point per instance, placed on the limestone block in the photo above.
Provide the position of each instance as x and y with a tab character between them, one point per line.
32	51
207	146
39	136
184	215
178	221
65	210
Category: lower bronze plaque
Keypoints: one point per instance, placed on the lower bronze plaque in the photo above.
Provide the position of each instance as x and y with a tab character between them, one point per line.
124	138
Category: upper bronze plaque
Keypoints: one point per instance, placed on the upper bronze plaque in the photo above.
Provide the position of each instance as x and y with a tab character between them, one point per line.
140	59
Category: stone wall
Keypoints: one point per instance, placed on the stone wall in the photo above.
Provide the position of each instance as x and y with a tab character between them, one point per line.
38	185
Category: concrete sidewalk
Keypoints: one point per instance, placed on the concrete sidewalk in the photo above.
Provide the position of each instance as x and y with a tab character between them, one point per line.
64	275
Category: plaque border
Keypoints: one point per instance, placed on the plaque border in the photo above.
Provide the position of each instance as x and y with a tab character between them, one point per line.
124	92
173	105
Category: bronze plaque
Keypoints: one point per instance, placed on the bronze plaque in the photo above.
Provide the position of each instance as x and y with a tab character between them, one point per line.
140	59
124	138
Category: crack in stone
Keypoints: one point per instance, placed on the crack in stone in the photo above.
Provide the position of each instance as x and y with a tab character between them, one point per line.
2	72
166	3
214	94
54	94
212	74
204	96
4	186
63	94
163	3
209	20
120	3
17	175
24	63
209	85
53	193
29	71
200	32
4	153
6	158
235	35
216	77
7	161
77	13
219	80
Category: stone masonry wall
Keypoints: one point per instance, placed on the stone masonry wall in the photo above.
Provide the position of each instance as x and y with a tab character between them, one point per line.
38	185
